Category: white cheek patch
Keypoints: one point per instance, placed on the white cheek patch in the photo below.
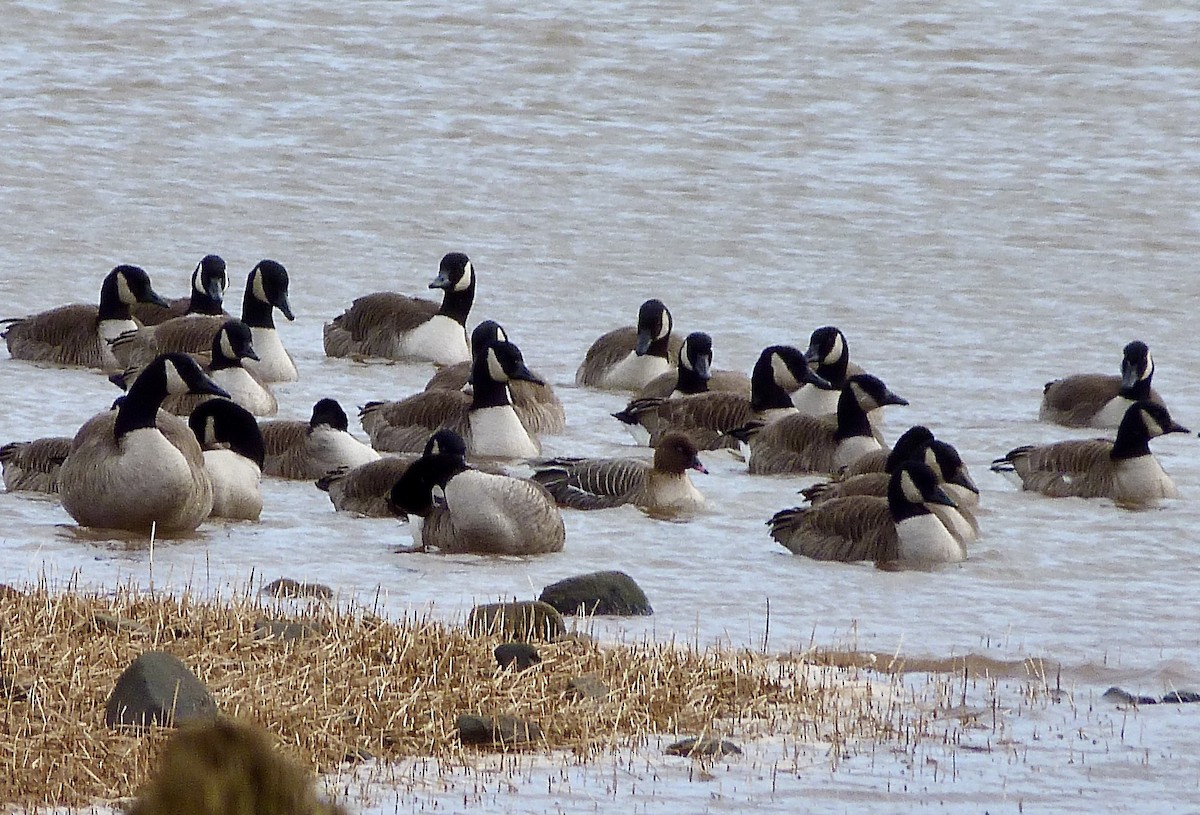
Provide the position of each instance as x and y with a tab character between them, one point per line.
468	276
123	291
909	488
1149	372
861	396
782	373
175	382
198	279
260	292
835	353
664	326
495	369
227	346
210	431
501	334
685	356
1152	427
931	460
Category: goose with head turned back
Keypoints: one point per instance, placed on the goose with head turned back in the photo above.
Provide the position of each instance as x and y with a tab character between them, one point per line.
79	334
308	450
485	417
1123	469
454	508
232	344
1101	400
820	444
899	529
396	326
694	373
207	296
365	489
708	418
137	465
828	348
627	358
538	408
661	486
266	290
233	457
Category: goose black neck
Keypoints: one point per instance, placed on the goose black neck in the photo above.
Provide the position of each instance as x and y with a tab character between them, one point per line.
457	304
487	391
202	303
1138	391
139	409
898	503
851	418
660	347
1132	439
221	361
765	392
256	313
111	305
690	382
835	372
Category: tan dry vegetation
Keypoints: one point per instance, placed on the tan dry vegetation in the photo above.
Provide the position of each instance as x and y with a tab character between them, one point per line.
373	687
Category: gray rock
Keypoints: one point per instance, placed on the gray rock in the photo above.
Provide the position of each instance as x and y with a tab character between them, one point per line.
707	747
157	688
518	655
1123	697
523	621
507	731
588	686
602	593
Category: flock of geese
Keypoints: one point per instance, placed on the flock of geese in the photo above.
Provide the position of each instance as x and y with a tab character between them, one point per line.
187	439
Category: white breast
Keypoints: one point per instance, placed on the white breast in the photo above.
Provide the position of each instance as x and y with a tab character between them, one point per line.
1112	413
924	539
110	330
235	481
274	363
676	492
1143	479
440	339
246	391
329	449
852	448
496	431
634	372
813	401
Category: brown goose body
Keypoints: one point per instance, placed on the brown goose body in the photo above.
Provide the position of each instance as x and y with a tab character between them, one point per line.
661	486
491	514
536	404
308	450
1101	400
32	466
629	357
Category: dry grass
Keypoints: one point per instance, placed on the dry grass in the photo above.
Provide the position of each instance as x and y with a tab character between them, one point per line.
373	687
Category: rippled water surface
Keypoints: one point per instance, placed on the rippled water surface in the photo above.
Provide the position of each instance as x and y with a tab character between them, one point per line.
982	198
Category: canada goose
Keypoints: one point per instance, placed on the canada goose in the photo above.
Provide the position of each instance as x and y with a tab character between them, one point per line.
1101	400
365	489
266	290
820	444
78	334
232	343
454	508
396	326
947	466
828	348
1123	470
32	466
233	457
538	408
694	373
598	483
627	358
707	418
308	450
208	292
138	466
485	418
897	529
911	444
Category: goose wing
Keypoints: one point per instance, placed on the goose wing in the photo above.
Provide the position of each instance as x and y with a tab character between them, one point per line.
364	489
605	352
1080	467
405	425
843	529
538	407
593	483
705	418
33	465
64	336
384	312
875	484
191	334
450	377
1074	400
795	444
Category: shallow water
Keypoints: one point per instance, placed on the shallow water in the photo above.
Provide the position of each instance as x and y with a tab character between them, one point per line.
982	199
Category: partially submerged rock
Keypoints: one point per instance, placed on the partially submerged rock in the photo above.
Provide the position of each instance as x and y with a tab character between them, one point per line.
287	587
705	747
505	731
157	688
518	655
609	593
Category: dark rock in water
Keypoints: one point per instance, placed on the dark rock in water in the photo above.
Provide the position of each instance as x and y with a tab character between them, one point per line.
707	747
519	655
287	587
588	686
603	593
522	620
285	630
1124	697
1181	697
158	688
507	731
